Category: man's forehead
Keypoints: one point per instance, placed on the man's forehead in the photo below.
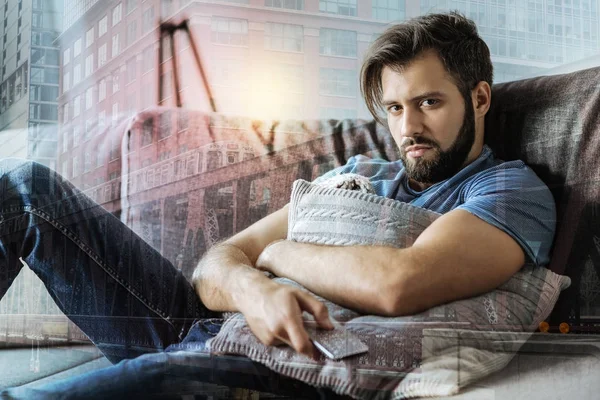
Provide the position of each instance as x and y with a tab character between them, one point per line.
411	85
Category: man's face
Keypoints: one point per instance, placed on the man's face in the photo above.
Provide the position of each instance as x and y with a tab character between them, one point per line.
425	109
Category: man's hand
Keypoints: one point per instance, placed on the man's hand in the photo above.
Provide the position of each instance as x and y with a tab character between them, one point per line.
274	313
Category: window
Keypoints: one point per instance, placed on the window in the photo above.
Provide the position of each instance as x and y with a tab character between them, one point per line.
36	20
87	161
115	45
148	20
102	119
335	42
131	32
77	48
115	80
89	127
232	157
147	132
116	14
76	74
66	113
337	82
89	37
214	160
40	92
66	56
76	106
65	141
100	153
102	58
75	166
103	26
76	136
164	125
89	65
390	10
43	111
266	195
289	4
131	5
167	6
89	98
164	155
342	7
66	81
101	90
64	171
131	70
229	31
115	111
284	37
148	59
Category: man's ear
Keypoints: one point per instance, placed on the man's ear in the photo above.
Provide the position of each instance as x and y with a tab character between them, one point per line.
482	98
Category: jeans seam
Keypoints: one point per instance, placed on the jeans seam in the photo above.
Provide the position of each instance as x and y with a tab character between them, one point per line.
65	231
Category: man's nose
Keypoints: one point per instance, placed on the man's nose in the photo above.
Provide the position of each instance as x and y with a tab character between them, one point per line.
411	124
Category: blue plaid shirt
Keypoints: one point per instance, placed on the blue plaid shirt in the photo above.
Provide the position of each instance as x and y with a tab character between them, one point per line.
508	195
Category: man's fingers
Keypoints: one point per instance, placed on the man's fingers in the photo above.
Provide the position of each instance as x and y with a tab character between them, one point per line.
299	338
316	308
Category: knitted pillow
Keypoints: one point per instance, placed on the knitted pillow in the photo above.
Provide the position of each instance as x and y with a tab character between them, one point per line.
433	353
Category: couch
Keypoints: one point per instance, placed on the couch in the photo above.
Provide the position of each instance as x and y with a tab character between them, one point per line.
184	180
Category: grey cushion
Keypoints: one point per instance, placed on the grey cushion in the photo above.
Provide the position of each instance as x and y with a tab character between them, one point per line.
453	344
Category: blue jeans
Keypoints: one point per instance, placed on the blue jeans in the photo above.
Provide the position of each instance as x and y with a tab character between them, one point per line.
127	298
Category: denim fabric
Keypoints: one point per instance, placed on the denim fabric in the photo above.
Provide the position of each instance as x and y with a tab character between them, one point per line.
126	297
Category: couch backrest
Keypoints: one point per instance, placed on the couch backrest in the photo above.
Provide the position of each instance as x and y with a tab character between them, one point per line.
552	123
190	179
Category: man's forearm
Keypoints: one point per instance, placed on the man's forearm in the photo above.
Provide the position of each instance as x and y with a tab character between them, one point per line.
223	276
364	278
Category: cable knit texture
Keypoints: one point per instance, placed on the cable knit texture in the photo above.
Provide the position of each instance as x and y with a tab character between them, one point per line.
434	353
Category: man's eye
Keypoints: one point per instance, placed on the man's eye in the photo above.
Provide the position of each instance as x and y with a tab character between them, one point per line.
431	102
394	108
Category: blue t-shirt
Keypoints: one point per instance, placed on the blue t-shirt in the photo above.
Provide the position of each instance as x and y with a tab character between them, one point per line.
508	195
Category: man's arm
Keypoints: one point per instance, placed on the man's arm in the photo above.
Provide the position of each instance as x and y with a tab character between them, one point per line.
227	269
226	280
457	256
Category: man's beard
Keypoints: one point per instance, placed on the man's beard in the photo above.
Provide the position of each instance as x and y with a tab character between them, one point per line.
446	163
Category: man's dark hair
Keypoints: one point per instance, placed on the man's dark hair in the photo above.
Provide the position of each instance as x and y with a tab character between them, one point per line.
464	54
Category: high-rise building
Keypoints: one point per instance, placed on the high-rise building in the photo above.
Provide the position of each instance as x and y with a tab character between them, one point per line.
528	37
29	78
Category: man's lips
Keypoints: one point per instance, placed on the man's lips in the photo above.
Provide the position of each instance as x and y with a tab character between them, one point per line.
416	151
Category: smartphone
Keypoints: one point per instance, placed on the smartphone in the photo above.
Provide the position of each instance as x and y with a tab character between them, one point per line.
336	344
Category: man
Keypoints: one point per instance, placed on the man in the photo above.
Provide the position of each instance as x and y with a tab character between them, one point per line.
432	77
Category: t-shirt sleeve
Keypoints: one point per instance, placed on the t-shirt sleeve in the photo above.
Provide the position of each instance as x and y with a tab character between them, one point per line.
517	201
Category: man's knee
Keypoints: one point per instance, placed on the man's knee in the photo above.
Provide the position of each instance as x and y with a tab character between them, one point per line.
13	164
18	174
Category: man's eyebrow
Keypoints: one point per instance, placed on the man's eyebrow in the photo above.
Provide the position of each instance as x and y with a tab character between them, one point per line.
416	98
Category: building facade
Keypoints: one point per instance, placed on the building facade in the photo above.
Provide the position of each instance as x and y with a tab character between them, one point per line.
29	78
279	58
